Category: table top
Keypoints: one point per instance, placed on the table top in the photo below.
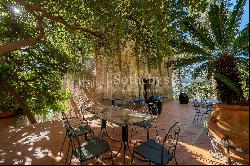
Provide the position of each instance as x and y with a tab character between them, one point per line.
118	115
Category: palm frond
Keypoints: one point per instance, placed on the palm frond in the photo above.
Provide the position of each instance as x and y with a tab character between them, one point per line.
241	43
186	47
199	69
200	33
218	19
207	67
230	84
235	18
182	62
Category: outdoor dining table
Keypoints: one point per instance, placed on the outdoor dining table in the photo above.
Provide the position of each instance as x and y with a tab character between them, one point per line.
121	117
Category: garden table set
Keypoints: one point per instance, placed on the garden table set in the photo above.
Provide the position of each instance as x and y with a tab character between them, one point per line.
121	117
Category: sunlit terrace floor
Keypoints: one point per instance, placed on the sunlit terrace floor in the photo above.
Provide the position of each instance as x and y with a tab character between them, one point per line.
41	143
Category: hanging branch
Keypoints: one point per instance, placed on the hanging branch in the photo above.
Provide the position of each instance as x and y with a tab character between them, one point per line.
23	104
51	16
35	10
16	45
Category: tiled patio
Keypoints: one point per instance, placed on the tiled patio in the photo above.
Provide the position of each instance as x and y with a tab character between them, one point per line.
41	143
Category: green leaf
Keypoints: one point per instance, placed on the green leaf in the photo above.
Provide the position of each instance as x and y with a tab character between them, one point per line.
218	19
241	43
228	82
187	47
186	61
201	68
200	33
235	18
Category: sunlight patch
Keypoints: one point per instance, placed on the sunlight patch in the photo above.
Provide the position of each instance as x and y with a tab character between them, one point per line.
1	161
27	161
13	129
17	162
31	139
24	134
30	148
39	153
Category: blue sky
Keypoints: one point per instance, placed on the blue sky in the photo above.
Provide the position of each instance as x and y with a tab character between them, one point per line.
245	18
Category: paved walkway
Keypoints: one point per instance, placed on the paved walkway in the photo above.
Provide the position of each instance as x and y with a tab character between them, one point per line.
41	143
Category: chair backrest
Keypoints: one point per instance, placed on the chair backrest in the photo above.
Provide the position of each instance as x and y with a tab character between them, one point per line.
66	122
83	110
74	140
70	133
171	139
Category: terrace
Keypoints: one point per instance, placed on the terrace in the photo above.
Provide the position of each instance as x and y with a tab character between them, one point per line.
41	143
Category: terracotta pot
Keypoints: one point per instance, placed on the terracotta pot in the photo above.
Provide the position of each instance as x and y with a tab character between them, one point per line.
7	114
231	121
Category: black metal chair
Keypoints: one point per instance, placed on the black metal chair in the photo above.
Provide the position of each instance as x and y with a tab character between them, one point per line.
156	152
81	128
91	148
197	116
147	124
84	112
202	111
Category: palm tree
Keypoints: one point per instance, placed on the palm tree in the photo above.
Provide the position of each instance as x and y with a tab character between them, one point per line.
217	47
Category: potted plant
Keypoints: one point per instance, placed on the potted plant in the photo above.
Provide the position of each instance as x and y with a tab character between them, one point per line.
220	49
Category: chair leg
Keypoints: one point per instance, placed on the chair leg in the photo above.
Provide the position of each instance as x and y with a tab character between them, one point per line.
175	161
132	130
62	146
97	158
85	135
132	159
92	133
194	119
67	155
71	156
112	157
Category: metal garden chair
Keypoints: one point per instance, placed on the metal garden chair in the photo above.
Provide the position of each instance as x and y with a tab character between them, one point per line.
156	152
91	148
202	111
147	124
81	128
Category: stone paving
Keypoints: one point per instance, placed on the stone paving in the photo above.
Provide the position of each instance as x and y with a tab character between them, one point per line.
41	143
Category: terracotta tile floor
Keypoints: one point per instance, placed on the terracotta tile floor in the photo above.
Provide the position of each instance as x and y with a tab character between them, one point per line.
41	143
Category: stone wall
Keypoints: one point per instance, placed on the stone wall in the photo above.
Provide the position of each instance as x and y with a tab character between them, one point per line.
118	77
122	77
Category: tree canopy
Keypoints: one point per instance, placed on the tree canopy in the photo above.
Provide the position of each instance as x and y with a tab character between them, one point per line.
42	40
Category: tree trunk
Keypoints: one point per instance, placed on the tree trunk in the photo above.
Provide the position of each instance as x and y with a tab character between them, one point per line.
9	88
90	90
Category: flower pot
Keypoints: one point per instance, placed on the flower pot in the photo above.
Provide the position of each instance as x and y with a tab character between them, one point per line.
183	98
231	121
6	114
